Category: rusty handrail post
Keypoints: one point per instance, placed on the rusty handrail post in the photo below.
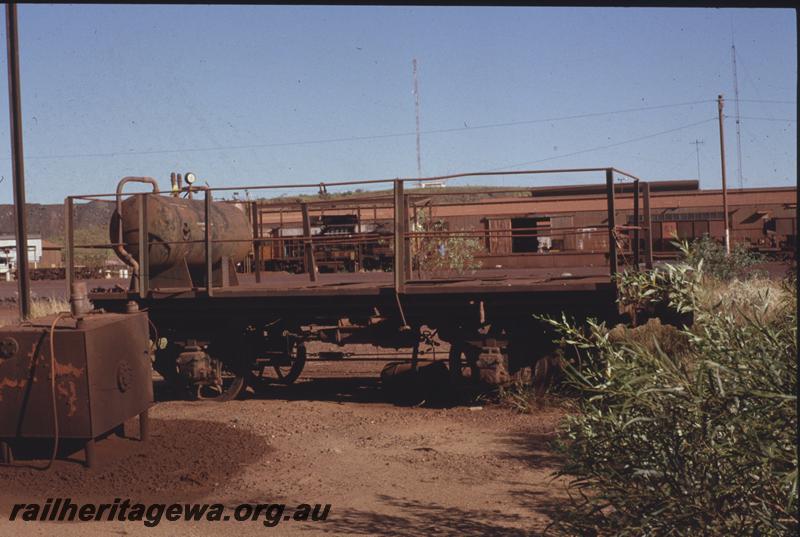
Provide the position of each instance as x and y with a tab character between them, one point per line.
256	241
648	235
359	253
399	238
69	242
311	265
612	223
406	240
415	228
636	223
261	233
209	264
144	247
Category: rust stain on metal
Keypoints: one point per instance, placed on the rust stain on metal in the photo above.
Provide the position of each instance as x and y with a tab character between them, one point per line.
11	383
70	393
68	370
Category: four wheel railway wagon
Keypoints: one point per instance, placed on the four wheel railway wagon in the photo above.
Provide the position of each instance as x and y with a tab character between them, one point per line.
219	330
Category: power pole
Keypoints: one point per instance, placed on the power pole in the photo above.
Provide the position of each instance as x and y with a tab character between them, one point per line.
697	144
17	164
738	117
416	109
720	104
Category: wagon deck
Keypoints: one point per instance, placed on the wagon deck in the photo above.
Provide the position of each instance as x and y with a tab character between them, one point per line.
483	282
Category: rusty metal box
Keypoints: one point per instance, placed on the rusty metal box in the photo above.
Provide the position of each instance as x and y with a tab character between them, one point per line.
103	375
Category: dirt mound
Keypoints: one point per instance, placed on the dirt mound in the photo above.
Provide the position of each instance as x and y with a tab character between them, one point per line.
182	460
670	339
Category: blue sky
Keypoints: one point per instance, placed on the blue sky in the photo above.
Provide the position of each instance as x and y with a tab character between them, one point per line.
236	93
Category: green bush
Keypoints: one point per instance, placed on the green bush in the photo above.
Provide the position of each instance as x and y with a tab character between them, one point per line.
442	254
698	438
668	284
717	263
701	257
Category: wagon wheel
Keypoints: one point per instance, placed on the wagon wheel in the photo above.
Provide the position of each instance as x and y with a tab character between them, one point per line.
257	380
290	364
231	386
228	363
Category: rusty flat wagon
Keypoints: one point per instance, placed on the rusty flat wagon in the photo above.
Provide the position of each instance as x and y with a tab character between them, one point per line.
219	330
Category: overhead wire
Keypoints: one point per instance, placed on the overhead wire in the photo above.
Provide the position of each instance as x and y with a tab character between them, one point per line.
599	148
369	137
766	118
763	101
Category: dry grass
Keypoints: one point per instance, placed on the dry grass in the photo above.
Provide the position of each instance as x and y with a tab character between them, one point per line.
41	307
743	298
651	335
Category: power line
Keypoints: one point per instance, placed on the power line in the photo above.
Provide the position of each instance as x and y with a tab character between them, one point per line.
766	118
362	138
580	116
608	146
763	101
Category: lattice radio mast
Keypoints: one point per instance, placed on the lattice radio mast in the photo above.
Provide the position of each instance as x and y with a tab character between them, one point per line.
697	144
738	118
416	110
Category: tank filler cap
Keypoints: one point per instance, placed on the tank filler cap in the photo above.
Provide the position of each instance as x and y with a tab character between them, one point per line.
79	300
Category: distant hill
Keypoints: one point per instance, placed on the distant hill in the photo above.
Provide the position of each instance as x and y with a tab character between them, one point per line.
47	220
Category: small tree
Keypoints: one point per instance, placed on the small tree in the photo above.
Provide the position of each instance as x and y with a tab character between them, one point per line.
686	431
442	253
718	264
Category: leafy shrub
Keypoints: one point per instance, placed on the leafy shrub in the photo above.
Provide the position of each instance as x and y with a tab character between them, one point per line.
669	284
703	273
717	263
693	438
438	254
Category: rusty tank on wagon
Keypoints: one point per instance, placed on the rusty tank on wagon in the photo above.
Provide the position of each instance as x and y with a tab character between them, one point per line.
176	230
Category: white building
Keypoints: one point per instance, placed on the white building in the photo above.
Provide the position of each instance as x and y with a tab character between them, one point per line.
8	252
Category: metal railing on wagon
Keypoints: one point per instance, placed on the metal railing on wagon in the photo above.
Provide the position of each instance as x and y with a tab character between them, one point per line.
624	242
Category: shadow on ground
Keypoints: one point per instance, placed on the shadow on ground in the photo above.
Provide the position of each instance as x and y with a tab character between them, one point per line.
533	448
183	459
355	389
417	518
339	390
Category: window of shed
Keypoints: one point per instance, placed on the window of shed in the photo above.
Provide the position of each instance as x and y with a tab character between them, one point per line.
525	233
